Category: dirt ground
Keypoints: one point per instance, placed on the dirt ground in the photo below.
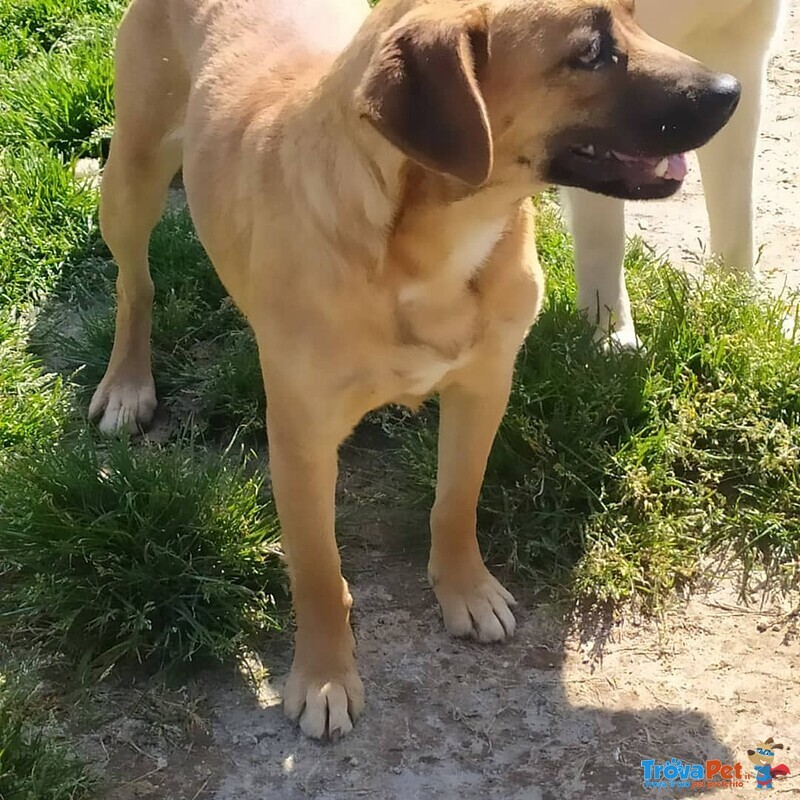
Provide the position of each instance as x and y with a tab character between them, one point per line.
567	710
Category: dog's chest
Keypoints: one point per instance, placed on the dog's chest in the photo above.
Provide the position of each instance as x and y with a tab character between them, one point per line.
428	371
433	338
439	319
467	255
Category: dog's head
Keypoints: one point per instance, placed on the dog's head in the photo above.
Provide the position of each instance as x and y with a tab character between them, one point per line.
764	754
569	92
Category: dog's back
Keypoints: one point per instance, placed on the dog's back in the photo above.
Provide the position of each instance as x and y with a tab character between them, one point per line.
688	21
219	47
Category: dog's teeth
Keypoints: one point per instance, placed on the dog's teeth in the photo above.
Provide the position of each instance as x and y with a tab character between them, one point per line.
662	168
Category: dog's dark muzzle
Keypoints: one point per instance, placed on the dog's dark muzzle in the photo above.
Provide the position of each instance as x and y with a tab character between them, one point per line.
674	116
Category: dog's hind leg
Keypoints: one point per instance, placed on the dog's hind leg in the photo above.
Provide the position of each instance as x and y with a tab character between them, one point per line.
473	602
145	154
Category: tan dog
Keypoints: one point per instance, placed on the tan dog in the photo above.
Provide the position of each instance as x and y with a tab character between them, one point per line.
360	181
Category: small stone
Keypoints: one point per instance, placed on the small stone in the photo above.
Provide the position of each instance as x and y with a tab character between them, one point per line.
761	627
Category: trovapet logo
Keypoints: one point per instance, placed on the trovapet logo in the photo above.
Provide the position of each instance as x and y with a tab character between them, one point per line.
715	774
677	774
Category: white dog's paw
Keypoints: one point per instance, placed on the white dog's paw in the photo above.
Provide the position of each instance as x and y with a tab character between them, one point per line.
325	702
124	406
476	605
619	340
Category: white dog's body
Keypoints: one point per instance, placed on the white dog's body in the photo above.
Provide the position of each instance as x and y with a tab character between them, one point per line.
732	35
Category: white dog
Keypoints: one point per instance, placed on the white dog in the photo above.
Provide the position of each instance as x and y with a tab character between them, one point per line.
730	35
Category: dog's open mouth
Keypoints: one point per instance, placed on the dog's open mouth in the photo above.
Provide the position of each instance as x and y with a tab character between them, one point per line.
611	172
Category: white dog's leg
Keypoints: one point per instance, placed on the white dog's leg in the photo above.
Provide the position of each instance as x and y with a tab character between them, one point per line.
598	228
727	162
727	165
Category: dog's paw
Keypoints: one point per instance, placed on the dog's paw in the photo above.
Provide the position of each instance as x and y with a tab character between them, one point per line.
326	706
124	406
621	340
478	607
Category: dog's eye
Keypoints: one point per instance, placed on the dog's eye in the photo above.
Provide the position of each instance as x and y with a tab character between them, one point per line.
597	53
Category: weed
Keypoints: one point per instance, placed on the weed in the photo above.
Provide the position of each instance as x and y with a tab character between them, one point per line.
35	762
148	554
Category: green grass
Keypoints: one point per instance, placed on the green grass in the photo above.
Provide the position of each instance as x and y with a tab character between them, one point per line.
33	403
47	223
61	97
57	72
146	554
110	552
36	763
622	474
30	27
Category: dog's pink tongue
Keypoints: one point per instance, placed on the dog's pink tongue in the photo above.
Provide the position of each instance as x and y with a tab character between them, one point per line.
677	167
675	170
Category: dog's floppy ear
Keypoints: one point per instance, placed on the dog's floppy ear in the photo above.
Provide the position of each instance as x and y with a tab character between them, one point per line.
421	93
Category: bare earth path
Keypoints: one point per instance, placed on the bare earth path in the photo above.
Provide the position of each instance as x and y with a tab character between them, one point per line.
560	713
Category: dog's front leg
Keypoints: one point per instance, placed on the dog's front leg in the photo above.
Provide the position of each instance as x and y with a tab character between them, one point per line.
727	163
323	691
473	602
598	228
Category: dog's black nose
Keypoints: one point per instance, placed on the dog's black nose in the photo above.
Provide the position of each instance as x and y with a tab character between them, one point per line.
722	95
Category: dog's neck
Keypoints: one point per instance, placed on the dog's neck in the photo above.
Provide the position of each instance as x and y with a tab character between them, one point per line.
368	199
443	232
381	210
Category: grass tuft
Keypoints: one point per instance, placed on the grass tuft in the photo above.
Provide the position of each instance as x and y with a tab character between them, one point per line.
47	223
147	554
58	74
33	404
35	762
30	27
